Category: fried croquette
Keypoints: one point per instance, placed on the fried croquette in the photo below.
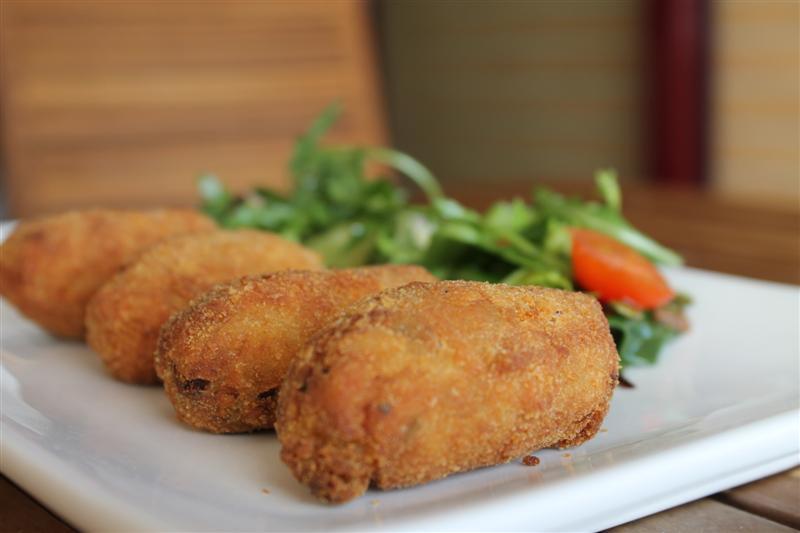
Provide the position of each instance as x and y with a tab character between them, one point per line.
429	379
124	317
50	267
222	358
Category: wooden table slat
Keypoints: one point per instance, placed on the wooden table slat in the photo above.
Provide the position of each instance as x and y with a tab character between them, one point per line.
708	516
21	513
776	498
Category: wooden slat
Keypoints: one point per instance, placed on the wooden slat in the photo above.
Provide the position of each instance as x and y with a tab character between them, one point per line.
21	513
776	498
707	515
124	102
755	133
706	234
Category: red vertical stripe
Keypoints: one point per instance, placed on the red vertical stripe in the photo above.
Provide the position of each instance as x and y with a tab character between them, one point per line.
678	77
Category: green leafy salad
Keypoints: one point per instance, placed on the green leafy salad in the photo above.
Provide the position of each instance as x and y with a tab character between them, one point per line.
353	219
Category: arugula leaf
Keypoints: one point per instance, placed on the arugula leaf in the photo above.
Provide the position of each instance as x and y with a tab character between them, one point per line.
349	244
608	186
639	340
544	278
306	149
216	199
515	215
408	238
410	167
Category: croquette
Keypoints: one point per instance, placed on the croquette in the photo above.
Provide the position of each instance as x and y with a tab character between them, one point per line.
124	317
51	266
222	358
429	379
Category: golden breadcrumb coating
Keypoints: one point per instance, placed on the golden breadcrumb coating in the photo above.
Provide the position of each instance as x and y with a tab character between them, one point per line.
51	266
429	379
124	317
222	358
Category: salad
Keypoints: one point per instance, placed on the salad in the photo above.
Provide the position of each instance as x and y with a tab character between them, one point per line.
353	218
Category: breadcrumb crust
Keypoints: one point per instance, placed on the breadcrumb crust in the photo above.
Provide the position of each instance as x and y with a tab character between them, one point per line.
223	357
124	317
431	379
51	266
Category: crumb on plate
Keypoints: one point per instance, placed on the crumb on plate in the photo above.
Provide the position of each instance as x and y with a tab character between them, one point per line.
530	460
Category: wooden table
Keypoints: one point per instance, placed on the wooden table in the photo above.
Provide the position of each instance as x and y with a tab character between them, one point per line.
712	233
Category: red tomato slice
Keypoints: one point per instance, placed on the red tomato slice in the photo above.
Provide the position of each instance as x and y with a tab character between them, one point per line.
616	272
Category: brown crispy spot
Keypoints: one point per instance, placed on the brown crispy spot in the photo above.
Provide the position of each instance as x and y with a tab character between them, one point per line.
267	394
192	386
530	460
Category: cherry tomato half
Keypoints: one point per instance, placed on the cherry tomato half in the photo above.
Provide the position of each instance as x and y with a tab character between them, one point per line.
616	272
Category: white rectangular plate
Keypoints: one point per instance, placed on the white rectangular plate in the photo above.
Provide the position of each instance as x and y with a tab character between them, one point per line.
720	409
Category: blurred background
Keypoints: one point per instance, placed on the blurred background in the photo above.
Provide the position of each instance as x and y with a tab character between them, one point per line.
123	103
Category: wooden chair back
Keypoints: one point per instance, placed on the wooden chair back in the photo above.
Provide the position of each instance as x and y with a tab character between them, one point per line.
125	103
